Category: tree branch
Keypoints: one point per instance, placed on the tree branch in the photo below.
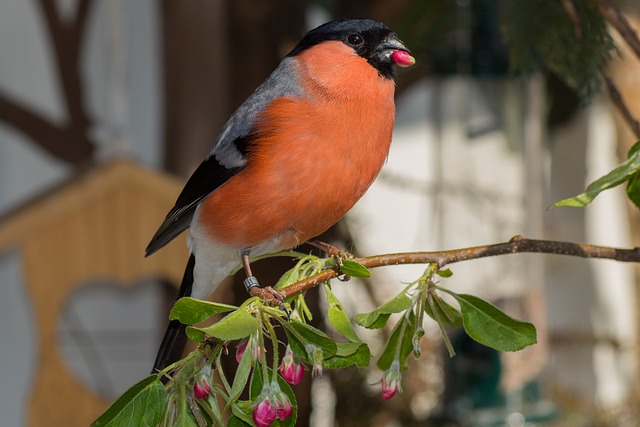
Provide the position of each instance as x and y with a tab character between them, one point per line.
60	142
517	244
621	106
69	141
67	41
570	8
79	23
620	23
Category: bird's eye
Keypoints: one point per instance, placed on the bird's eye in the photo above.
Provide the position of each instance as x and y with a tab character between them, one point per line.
355	39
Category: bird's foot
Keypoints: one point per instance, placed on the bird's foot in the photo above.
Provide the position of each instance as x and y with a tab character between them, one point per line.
267	294
332	251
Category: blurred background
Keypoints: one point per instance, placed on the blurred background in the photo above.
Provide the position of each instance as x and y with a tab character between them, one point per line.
107	106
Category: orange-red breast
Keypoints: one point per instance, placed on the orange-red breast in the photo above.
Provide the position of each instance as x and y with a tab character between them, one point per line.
294	157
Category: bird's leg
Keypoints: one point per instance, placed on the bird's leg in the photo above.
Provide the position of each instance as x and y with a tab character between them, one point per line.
267	294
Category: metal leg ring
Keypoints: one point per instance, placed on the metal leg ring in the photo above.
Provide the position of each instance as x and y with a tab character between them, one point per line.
250	282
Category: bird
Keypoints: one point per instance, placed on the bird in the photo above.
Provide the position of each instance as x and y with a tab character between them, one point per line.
290	161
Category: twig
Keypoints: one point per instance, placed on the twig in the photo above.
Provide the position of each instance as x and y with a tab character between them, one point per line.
517	244
620	23
69	141
617	100
570	8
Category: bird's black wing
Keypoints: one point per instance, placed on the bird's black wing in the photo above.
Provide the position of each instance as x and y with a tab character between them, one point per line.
228	155
206	178
175	339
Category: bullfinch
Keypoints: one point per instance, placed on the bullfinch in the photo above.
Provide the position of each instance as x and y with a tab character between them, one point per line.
291	160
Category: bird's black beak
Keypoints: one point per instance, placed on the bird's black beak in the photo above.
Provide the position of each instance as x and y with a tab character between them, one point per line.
392	50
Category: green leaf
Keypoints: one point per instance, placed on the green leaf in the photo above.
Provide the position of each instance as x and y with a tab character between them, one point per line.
256	385
633	186
237	325
190	311
399	345
185	418
141	405
242	410
300	335
354	269
286	279
350	353
347	354
490	326
444	273
241	377
443	314
211	408
378	317
447	314
634	149
297	344
195	334
617	176
633	189
339	319
307	266
236	422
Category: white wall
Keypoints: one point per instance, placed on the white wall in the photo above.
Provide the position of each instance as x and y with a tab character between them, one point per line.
27	73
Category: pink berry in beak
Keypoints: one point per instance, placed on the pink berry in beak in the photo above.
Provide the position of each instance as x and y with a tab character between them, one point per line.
403	58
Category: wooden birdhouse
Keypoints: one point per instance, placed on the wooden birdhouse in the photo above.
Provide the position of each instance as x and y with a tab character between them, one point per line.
93	228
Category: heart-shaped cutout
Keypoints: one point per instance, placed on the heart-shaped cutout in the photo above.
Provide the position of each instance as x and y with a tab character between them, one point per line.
108	334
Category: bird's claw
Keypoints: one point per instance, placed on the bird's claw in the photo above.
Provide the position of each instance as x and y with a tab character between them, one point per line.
267	294
332	251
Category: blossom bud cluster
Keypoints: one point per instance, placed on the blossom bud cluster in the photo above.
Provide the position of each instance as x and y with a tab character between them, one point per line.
272	404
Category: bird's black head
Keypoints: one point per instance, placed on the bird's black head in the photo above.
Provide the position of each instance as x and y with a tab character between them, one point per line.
370	39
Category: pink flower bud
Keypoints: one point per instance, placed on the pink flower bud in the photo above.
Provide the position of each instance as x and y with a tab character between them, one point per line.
264	413
240	350
201	389
272	403
389	390
202	383
243	346
292	373
391	381
290	368
284	410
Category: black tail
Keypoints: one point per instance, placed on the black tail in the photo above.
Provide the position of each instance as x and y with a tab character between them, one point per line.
175	338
